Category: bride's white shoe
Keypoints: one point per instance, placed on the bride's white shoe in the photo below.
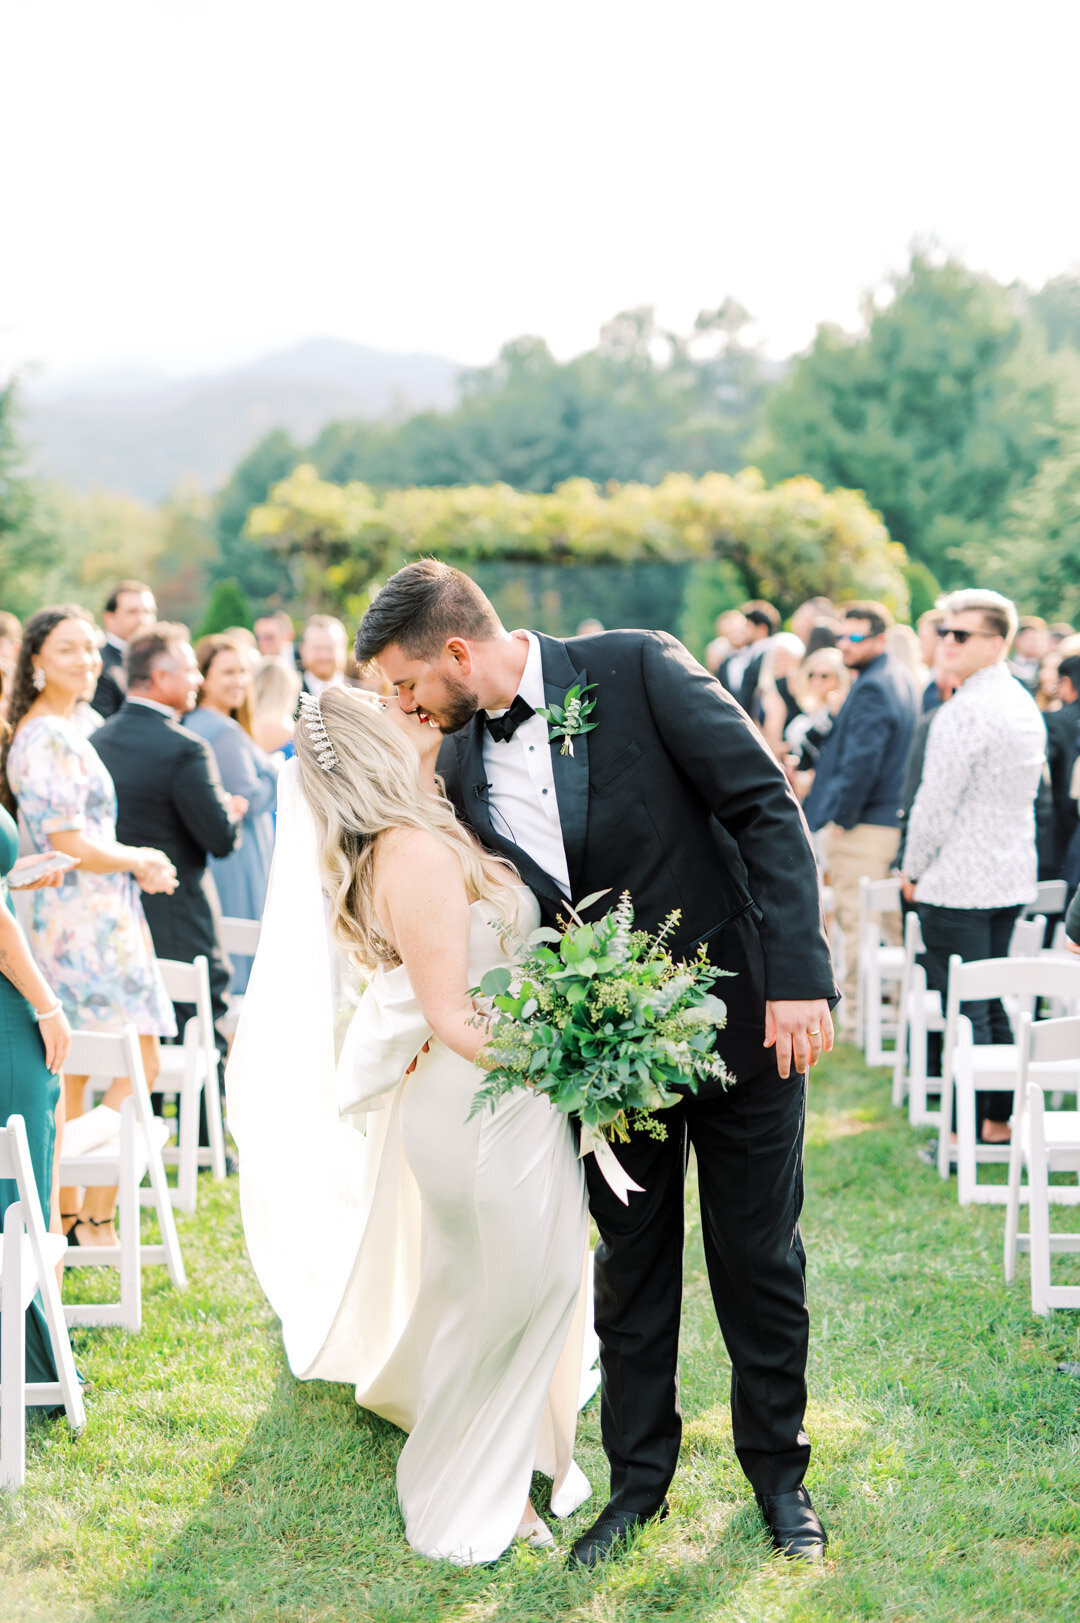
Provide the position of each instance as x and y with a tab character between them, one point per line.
536	1534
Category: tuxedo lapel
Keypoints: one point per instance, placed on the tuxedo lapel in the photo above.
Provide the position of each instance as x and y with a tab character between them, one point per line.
469	744
571	771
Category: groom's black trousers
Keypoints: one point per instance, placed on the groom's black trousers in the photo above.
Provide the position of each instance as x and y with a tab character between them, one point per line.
749	1146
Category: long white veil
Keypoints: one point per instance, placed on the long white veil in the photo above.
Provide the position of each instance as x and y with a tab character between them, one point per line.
306	1176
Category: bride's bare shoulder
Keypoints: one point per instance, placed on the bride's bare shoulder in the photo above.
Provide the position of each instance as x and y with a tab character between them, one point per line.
410	853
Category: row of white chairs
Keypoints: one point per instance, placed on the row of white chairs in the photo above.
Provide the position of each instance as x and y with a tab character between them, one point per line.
1039	1068
128	1148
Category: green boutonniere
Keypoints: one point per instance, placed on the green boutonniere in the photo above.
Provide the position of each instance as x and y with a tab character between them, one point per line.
571	718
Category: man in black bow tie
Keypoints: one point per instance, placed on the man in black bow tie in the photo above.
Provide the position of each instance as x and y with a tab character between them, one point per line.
656	783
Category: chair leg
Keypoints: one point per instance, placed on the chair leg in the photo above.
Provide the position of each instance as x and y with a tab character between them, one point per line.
187	1166
966	1137
1038	1205
162	1203
945	1127
901	1076
13	1358
129	1215
215	1123
1012	1205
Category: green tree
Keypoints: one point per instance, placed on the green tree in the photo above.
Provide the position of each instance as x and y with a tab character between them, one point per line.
28	548
643	402
1056	307
258	572
941	410
227	607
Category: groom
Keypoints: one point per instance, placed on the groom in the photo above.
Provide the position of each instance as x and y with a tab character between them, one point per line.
669	794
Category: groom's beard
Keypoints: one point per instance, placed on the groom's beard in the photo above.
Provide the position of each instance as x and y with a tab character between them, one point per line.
461	706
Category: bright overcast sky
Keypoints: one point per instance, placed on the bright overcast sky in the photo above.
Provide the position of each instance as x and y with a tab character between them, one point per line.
190	184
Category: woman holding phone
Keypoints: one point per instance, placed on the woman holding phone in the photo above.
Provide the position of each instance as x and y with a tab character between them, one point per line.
34	1040
89	935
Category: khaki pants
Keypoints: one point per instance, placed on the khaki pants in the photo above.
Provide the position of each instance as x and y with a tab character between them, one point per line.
865	851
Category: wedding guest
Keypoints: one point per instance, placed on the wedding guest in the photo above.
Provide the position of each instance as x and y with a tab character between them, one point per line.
169	794
274	634
246	642
969	860
1031	642
130	606
323	653
937	688
856	788
732	633
1062	749
34	1042
276	689
819	686
1046	685
1061	631
810	614
776	700
89	936
1072	925
741	672
904	644
223	718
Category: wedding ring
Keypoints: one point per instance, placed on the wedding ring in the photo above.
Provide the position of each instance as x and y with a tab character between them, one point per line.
813	1033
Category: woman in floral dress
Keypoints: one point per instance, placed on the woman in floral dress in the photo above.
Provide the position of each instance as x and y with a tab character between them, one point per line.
89	935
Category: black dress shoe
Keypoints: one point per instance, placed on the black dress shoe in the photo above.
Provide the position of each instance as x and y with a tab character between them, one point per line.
793	1524
610	1531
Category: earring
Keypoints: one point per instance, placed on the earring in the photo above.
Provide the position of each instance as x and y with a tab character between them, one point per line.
39	679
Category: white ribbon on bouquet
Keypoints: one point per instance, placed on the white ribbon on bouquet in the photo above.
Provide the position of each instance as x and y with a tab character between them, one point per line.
615	1176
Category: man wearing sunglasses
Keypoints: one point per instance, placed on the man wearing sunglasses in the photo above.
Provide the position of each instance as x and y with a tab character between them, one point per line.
970	850
856	792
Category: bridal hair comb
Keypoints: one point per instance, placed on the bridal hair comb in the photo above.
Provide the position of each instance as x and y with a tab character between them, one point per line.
311	711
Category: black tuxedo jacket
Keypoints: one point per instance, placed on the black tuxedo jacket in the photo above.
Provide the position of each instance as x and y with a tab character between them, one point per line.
675	798
169	796
1062	743
112	683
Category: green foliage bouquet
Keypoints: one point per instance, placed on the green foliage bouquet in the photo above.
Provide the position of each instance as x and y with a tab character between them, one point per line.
603	1020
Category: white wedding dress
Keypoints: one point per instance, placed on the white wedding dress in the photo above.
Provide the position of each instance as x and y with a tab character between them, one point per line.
436	1264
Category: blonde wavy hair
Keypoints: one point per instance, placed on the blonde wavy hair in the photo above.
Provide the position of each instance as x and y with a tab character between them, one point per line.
374	788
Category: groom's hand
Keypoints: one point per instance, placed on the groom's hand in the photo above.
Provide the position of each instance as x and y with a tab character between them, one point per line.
800	1031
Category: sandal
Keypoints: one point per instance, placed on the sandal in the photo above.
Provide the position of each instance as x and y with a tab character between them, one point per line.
93	1223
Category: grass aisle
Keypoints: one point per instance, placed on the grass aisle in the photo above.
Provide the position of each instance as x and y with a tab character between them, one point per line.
210	1485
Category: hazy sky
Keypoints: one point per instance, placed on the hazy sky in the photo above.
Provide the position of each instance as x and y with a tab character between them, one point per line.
187	184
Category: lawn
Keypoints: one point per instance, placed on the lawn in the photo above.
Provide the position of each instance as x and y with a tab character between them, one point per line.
210	1485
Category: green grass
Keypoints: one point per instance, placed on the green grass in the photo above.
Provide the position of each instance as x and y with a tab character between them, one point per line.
210	1485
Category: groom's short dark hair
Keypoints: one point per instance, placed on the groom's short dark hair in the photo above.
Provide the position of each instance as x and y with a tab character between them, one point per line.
420	608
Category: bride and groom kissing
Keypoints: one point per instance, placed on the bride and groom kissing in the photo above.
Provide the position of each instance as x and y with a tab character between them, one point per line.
438	1262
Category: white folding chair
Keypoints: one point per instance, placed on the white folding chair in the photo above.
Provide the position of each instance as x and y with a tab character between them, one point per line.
991	1067
1050	897
124	1159
28	1259
239	936
189	1070
1043	1141
920	1013
878	963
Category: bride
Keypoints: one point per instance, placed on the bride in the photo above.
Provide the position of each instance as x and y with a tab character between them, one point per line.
435	1263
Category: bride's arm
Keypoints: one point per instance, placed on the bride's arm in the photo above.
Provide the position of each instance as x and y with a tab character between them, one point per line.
420	891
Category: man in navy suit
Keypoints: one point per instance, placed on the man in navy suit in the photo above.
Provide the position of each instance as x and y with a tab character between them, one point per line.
859	780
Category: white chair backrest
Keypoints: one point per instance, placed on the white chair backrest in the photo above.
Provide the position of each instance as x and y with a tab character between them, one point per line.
878	896
240	936
1050	1040
984	978
1050	897
1027	937
109	1054
15	1161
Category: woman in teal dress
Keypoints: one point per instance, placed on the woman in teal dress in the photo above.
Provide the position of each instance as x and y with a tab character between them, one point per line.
34	1040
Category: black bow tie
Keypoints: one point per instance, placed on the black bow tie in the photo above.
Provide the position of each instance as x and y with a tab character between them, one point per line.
504	727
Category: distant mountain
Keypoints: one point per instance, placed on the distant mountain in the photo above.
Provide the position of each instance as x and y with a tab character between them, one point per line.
144	437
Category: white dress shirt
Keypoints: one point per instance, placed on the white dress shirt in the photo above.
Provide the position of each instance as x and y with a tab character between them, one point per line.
971	834
521	781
